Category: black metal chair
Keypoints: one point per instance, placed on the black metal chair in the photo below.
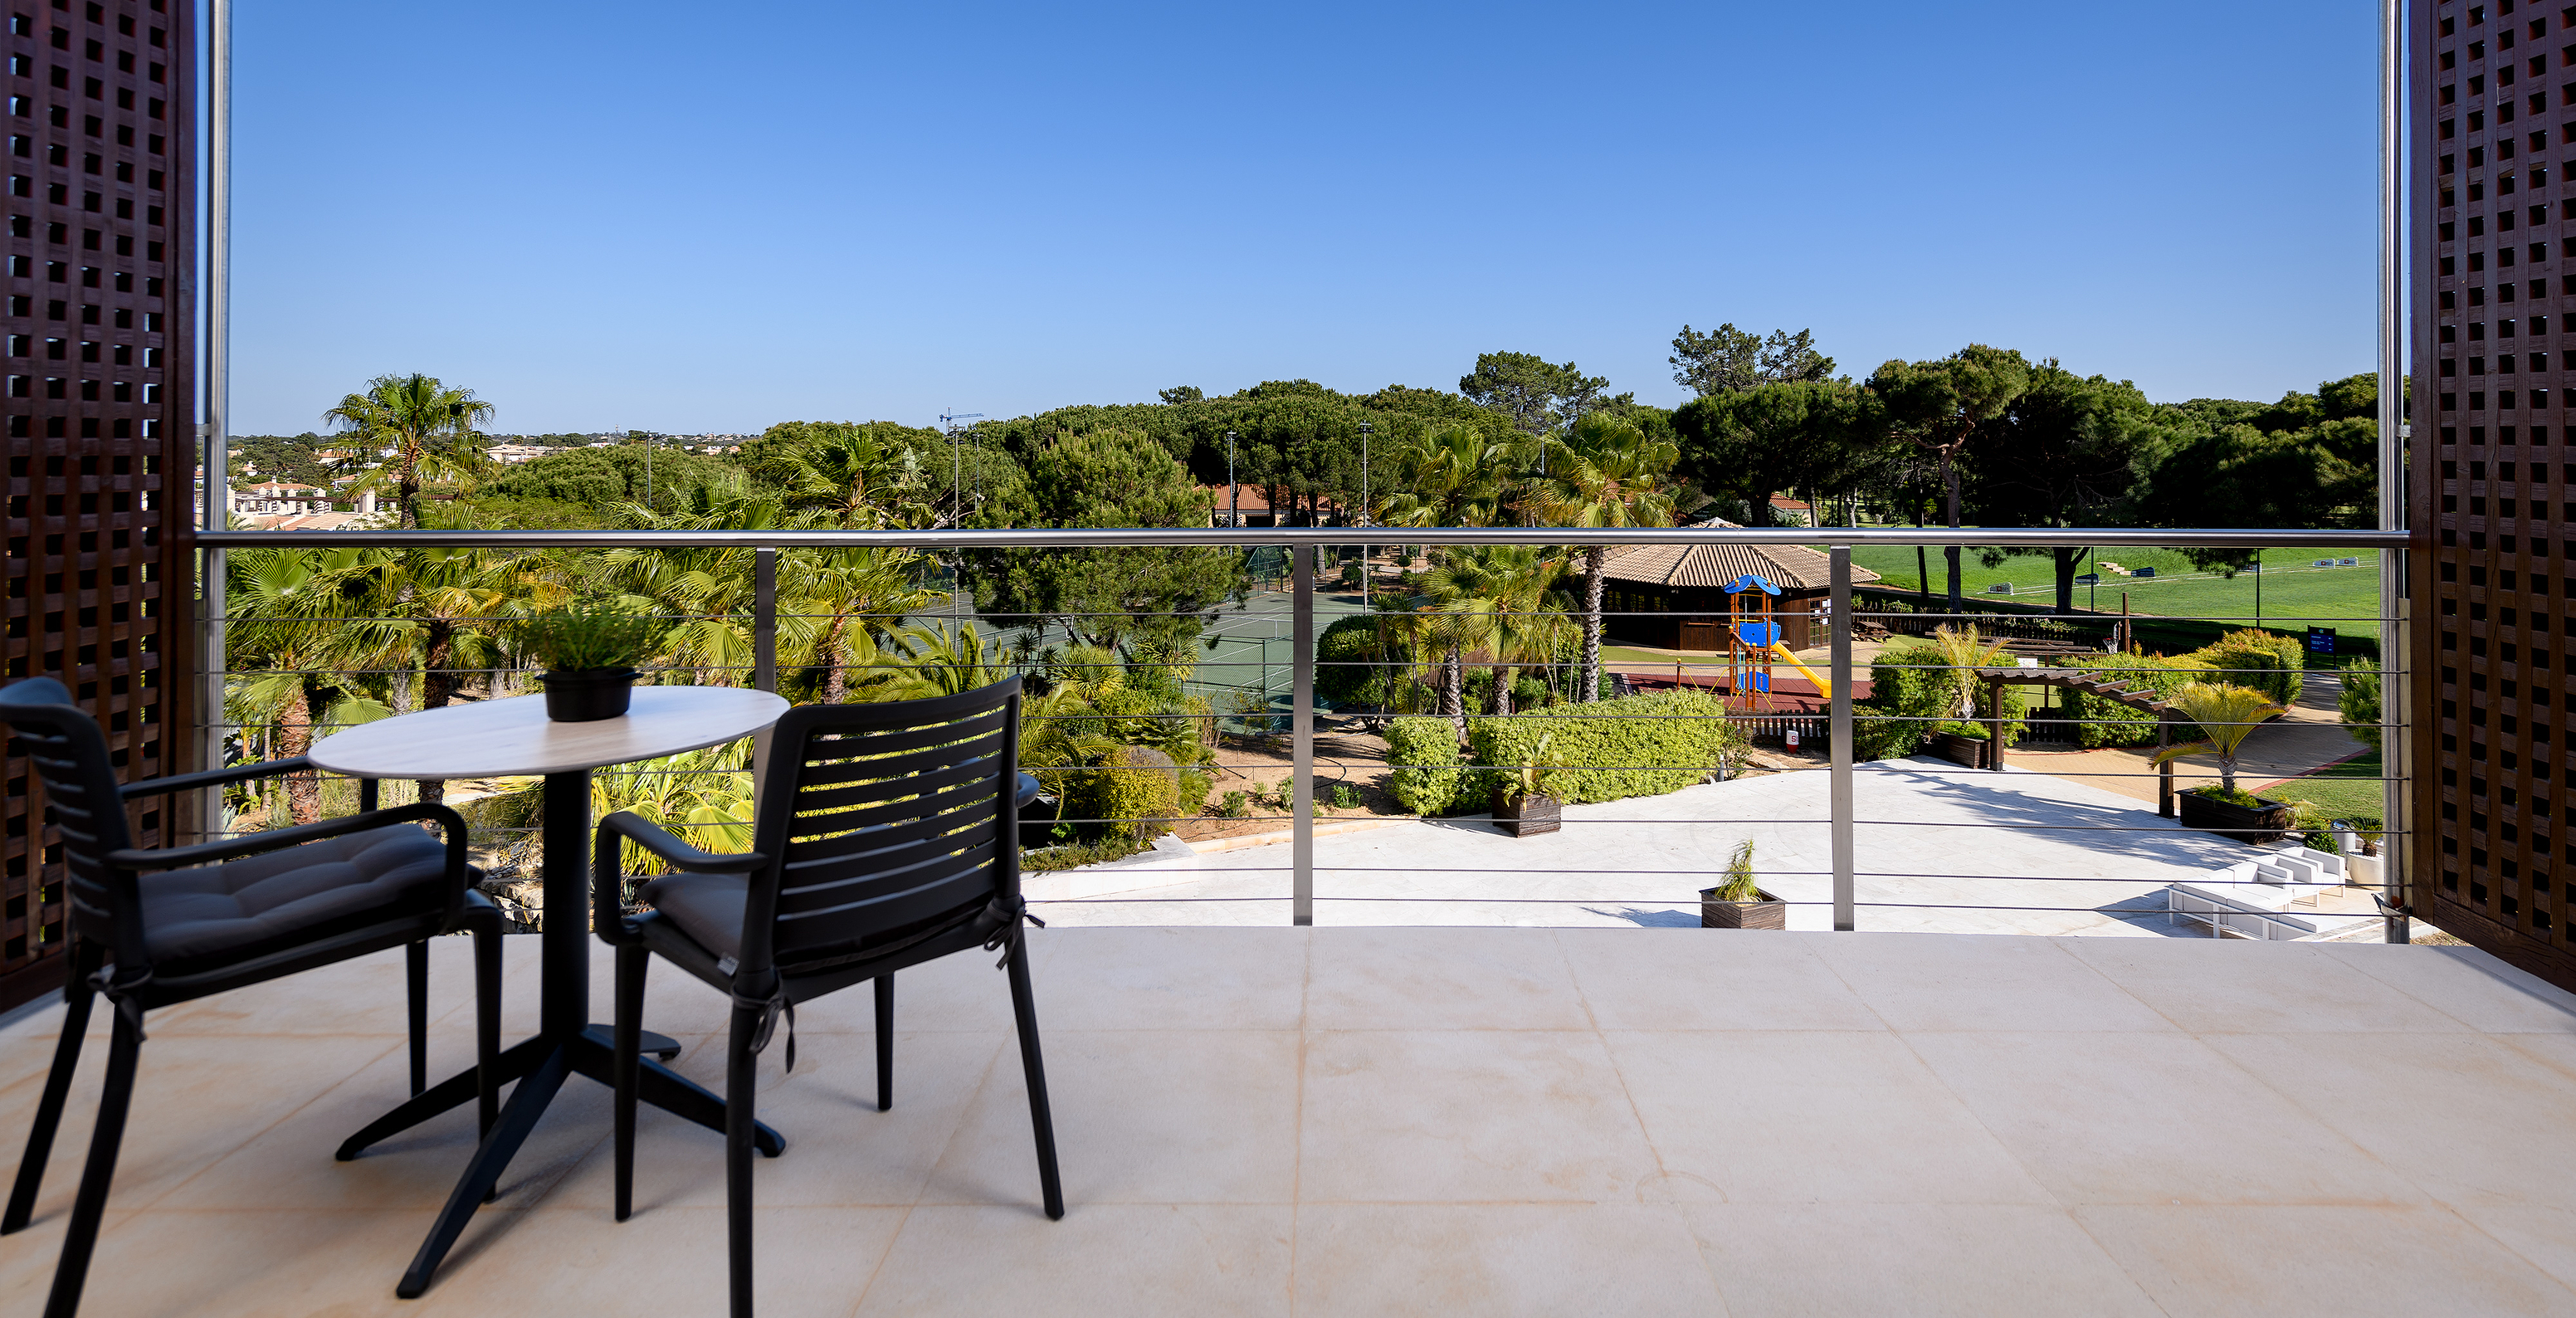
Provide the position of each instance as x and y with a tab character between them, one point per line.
885	836
154	927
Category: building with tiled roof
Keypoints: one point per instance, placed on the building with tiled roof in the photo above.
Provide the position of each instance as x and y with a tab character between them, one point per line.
1674	596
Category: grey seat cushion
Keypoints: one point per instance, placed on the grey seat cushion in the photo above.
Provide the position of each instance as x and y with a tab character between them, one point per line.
215	915
706	907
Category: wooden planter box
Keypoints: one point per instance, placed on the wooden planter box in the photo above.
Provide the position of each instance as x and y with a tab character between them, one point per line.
1768	913
1968	751
2256	826
1528	815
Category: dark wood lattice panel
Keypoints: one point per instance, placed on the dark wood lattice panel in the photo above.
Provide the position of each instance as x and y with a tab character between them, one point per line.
2493	476
97	406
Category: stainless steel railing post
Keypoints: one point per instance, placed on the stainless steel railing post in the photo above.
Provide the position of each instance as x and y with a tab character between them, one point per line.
2396	760
764	617
1301	666
1840	739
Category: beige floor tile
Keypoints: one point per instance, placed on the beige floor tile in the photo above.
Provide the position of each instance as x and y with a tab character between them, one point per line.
228	1265
1971	1260
364	996
1361	1259
2394	1094
1710	979
1134	1260
25	1062
196	1099
1466	1116
2149	1118
2554	1050
841	1151
1149	978
2335	1262
1141	1116
2232	986
2544	1237
1440	979
807	1263
1822	1117
1949	982
2465	984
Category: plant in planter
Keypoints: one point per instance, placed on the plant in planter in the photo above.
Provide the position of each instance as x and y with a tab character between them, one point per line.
1738	902
589	650
1530	800
1961	743
2227	715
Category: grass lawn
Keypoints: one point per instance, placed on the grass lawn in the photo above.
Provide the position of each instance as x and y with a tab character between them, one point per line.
2294	594
2350	790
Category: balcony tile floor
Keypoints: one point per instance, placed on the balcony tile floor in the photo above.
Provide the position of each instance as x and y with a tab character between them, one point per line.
1422	1120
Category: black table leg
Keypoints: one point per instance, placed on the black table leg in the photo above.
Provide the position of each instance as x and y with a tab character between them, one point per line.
567	1045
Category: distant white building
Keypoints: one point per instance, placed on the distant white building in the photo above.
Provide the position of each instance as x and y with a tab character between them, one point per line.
514	454
273	497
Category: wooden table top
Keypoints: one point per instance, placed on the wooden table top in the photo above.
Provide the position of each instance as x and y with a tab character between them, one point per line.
502	738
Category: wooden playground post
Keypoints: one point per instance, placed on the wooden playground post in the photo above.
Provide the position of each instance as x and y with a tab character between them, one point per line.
2164	771
1995	725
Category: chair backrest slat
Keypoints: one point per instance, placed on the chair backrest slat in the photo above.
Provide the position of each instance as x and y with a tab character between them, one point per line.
881	819
70	756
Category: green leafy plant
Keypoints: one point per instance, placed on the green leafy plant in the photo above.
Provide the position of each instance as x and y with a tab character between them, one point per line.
2227	715
1738	885
1972	731
589	636
2358	702
1642	745
1235	805
1429	777
1538	774
1345	797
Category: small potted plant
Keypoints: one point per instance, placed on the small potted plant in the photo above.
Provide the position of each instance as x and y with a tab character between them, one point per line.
1738	902
1531	800
2227	715
589	650
1961	742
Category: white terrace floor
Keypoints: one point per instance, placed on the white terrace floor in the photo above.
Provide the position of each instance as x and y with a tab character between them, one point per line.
1428	1121
1937	849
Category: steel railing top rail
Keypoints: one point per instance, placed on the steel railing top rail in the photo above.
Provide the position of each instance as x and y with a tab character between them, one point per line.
1298	536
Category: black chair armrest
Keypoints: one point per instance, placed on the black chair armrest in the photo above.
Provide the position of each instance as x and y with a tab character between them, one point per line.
186	782
451	824
608	881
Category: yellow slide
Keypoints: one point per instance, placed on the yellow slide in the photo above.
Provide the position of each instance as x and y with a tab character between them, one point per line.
1822	686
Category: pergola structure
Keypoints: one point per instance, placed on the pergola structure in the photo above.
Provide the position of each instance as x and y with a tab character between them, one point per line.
2091	684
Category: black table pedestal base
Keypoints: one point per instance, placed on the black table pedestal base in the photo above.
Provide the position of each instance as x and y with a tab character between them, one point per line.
540	1065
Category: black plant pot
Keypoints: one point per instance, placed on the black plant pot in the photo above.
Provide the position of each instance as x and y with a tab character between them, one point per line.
588	695
2259	825
1528	815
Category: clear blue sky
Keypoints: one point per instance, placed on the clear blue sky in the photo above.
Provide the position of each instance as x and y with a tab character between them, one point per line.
713	217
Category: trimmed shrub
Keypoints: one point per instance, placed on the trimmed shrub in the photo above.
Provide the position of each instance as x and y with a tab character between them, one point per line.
2266	661
1908	682
1603	744
1348	658
1884	738
2107	722
1129	786
1428	778
2358	702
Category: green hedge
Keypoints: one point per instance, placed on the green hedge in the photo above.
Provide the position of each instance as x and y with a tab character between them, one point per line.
1602	743
2107	722
1131	785
2275	662
1350	642
1904	690
1429	777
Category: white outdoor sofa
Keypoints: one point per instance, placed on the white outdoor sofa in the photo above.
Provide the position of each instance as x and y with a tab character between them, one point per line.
2253	898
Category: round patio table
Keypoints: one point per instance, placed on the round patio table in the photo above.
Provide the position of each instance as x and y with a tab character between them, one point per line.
514	738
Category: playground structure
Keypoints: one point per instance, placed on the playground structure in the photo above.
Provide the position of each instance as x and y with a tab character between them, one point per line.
1753	645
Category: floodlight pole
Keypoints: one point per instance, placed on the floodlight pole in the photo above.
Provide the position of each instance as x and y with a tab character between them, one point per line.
1366	508
1233	492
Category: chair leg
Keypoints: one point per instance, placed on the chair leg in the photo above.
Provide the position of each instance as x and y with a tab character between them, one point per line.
741	1076
1025	1014
49	1109
82	1235
416	980
627	1040
885	1042
487	1023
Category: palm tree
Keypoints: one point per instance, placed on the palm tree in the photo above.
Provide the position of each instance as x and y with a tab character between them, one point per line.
424	428
281	635
850	471
1604	473
1963	652
1506	587
2227	715
1443	479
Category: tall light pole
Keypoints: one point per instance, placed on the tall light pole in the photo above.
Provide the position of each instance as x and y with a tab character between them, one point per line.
1233	492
